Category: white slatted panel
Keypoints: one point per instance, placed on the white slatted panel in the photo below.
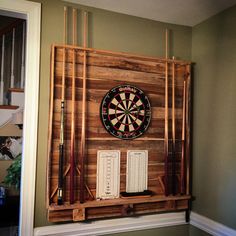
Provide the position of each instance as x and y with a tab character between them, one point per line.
136	171
108	174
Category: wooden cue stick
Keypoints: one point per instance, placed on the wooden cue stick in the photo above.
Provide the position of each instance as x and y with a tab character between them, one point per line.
86	186
65	25
187	138
64	174
61	144
72	147
82	147
49	166
166	120
166	44
182	174
173	130
74	26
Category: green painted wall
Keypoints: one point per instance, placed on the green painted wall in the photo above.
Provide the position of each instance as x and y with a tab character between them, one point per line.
211	45
214	117
107	30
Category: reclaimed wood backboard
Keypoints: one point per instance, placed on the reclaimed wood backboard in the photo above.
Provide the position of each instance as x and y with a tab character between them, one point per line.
105	70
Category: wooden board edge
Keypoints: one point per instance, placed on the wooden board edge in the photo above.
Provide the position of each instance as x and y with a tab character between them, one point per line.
128	55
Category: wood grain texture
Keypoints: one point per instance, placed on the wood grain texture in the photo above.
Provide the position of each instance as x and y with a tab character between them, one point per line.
173	184
188	127
103	71
183	174
166	136
112	208
84	113
72	134
127	55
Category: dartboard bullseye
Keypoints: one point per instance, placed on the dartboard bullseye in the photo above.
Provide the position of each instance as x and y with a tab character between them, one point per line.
125	112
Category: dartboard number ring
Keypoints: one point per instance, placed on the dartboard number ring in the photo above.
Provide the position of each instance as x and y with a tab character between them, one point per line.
125	112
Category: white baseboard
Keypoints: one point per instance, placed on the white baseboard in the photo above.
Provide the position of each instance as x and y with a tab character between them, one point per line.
103	227
210	226
112	226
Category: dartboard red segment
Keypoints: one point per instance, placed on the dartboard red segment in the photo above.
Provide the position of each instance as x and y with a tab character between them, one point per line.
125	112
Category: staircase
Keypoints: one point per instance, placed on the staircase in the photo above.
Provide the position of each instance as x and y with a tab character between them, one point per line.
13	113
12	68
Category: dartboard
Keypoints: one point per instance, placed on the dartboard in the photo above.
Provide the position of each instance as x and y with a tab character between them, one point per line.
125	112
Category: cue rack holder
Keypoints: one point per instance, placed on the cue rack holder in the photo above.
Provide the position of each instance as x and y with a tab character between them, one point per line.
80	77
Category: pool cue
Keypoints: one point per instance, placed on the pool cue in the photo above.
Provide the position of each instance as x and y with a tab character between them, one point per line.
86	186
72	138
64	174
61	144
173	131
182	175
166	119
187	135
74	27
82	144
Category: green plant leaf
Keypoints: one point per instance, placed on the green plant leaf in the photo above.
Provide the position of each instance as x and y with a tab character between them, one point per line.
13	176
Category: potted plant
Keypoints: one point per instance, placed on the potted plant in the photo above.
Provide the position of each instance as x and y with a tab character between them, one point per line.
13	177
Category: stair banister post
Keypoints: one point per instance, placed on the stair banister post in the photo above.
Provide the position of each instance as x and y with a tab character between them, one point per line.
2	71
12	58
22	79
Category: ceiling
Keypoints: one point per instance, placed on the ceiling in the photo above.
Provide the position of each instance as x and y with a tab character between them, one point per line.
181	12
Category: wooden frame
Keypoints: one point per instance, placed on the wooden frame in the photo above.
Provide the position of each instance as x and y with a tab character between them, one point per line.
96	72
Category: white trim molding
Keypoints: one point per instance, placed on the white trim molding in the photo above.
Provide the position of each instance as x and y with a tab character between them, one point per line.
210	226
30	11
112	226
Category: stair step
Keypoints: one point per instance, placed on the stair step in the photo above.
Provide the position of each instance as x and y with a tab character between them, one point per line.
9	107
16	90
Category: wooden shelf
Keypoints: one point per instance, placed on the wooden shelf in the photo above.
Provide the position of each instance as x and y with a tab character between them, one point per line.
117	208
119	201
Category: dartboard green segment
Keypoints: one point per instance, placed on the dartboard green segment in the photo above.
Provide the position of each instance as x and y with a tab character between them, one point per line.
125	112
